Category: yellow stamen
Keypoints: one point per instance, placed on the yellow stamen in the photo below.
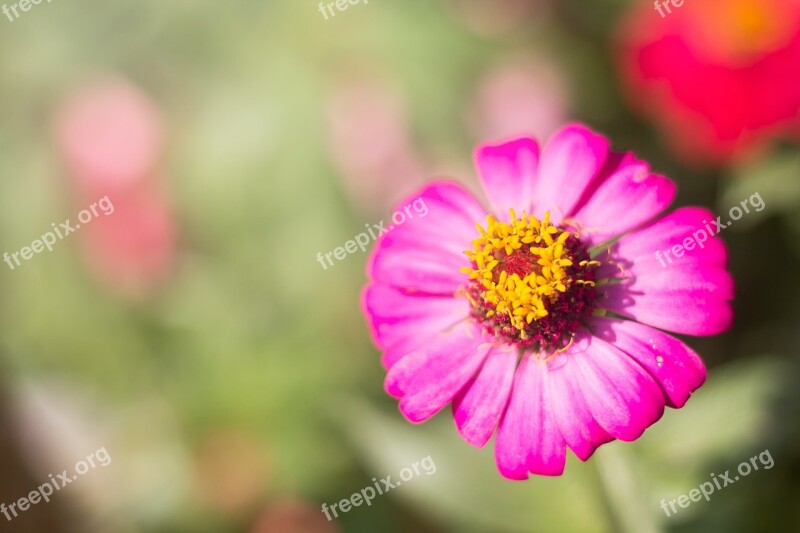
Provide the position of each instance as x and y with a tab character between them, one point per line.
526	241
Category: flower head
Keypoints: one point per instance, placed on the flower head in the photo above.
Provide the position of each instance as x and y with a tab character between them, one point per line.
531	282
713	74
540	318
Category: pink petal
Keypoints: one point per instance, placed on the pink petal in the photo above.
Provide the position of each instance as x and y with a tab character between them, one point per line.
478	407
571	159
528	439
507	172
424	253
692	302
630	196
421	266
571	410
645	248
689	296
400	322
428	378
674	365
623	398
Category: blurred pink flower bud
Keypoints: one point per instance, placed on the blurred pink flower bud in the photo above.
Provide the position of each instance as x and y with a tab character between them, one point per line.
132	248
521	95
109	135
370	143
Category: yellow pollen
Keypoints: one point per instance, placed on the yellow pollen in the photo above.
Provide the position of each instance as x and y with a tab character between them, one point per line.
521	265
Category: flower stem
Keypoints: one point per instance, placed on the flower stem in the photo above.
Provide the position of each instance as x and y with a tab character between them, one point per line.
624	500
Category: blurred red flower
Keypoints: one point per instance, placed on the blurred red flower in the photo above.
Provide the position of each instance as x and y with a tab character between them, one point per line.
720	76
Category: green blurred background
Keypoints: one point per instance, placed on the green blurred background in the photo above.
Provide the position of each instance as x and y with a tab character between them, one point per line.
231	379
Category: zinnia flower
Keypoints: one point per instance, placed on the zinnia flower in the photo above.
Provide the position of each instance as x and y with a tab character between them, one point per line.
720	76
541	317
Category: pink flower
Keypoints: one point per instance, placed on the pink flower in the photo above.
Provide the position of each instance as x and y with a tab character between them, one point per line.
544	322
109	134
719	76
132	251
521	95
370	142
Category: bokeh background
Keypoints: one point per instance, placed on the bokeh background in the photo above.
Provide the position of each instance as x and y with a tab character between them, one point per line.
193	334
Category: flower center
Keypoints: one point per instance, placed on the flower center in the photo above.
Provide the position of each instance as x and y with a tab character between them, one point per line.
531	283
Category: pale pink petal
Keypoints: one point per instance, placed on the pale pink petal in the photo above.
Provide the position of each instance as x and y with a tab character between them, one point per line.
428	378
478	407
570	161
571	410
528	439
424	253
674	365
629	197
400	322
623	398
507	172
